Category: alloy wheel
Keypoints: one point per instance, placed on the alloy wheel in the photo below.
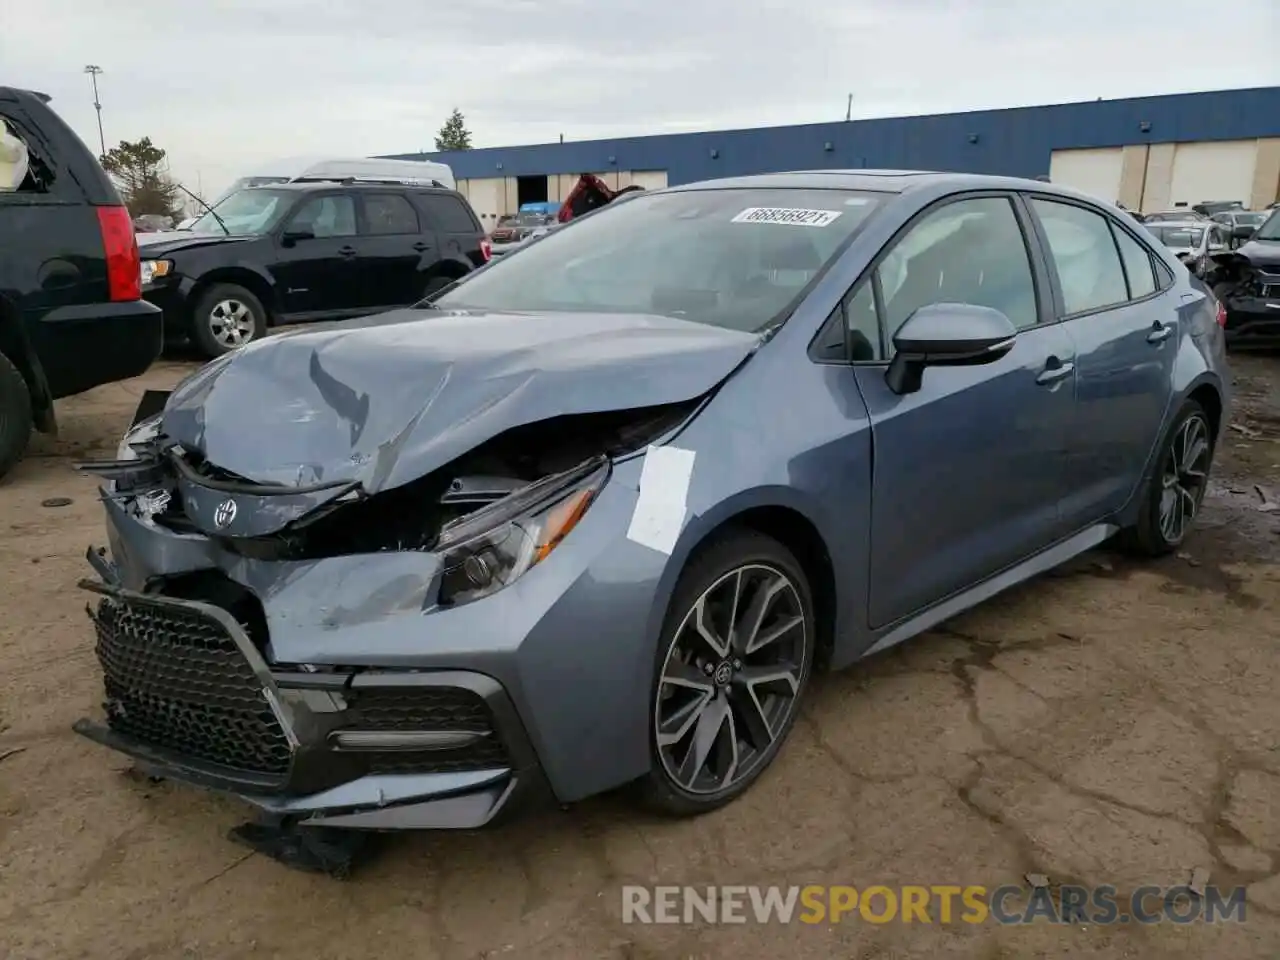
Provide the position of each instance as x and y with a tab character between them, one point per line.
731	679
231	323
1182	482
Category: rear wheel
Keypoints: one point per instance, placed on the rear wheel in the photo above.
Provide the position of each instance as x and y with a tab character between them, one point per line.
15	415
1176	488
732	667
225	318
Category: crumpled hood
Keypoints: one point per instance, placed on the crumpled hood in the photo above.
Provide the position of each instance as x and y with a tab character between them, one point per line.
1261	253
152	245
386	400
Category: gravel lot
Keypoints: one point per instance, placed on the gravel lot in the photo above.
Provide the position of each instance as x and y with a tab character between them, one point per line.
1110	723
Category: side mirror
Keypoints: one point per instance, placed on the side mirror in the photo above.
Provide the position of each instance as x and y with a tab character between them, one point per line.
947	335
294	234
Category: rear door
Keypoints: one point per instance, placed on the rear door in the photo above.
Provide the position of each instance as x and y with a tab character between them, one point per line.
315	257
457	231
968	470
393	251
1120	305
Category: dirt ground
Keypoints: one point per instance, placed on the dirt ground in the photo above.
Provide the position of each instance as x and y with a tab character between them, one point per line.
1110	723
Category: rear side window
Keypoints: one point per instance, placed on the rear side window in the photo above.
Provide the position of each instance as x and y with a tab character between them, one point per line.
1085	256
447	213
387	213
1138	268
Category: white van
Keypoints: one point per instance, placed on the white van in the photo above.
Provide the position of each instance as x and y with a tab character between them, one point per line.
293	169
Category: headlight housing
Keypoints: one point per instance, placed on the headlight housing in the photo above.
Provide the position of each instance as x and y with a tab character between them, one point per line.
495	546
153	270
141	432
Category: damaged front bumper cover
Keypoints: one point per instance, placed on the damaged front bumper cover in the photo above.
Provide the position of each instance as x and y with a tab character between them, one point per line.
362	750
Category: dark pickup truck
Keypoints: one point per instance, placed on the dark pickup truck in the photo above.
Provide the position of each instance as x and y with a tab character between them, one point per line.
71	310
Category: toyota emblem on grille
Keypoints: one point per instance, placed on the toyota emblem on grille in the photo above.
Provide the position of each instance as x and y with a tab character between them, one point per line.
225	513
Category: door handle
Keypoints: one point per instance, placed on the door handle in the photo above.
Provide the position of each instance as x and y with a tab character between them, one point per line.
1053	372
420	246
347	251
1160	332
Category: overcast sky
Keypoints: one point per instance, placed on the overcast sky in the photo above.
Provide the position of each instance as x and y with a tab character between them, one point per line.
221	84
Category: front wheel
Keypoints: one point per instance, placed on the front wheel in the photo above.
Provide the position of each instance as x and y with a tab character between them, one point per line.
225	318
1175	490
732	667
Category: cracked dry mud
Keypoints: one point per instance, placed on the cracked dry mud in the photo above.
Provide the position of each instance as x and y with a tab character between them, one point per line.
1112	722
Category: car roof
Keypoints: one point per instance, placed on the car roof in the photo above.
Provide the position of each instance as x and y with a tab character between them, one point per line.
884	181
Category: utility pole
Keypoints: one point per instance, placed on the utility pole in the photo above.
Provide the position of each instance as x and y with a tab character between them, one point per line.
848	110
93	70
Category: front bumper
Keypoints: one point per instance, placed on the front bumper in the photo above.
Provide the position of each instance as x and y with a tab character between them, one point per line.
563	659
190	698
173	296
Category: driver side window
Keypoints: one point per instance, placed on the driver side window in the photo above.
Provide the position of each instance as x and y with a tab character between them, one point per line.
328	216
969	251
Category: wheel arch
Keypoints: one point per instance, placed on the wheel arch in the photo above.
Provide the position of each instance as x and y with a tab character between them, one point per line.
253	281
17	348
776	513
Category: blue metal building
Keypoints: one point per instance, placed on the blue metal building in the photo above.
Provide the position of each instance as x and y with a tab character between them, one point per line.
1017	141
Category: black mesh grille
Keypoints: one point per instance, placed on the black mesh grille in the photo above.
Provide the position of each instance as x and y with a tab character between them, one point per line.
428	708
175	679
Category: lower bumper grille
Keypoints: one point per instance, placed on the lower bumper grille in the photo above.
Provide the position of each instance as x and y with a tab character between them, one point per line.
444	709
176	679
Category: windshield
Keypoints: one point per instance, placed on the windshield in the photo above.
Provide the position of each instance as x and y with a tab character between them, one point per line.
1270	230
1250	219
246	212
1178	237
729	258
530	218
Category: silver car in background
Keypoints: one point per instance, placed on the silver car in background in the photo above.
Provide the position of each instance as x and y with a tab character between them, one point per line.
1192	241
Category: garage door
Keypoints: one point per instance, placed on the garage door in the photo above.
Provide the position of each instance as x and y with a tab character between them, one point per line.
1214	171
649	179
485	196
1096	172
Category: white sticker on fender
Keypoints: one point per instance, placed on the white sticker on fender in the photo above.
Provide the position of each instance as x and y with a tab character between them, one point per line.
664	492
787	216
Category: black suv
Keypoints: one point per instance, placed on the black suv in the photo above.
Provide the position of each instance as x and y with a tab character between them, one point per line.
300	251
71	317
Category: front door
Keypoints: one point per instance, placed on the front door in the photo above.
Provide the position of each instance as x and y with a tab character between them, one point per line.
315	258
969	470
1125	329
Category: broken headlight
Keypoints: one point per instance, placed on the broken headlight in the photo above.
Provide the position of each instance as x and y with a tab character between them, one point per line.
495	546
142	432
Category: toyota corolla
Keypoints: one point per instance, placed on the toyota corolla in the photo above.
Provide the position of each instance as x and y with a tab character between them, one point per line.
594	515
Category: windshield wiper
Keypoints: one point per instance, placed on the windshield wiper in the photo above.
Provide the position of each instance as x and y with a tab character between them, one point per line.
213	212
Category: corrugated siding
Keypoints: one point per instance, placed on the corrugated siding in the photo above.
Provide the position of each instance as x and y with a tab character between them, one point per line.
1016	142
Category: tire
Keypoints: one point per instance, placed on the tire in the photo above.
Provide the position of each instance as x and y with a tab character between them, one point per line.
435	285
1186	479
219	304
714	688
16	420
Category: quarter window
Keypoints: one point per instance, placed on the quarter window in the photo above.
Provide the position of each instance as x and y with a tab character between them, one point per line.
1138	268
388	213
969	251
1085	256
448	213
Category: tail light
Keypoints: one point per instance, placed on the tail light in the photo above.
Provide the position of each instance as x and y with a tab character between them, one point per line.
1222	315
486	250
124	267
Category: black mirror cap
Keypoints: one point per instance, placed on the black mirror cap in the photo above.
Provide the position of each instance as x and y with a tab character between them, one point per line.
947	334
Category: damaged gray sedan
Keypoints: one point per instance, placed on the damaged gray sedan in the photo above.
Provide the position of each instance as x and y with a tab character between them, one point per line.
593	516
